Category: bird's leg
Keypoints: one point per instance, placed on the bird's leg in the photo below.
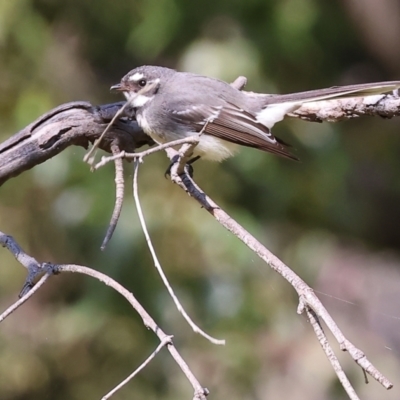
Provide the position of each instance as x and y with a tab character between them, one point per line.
188	165
192	160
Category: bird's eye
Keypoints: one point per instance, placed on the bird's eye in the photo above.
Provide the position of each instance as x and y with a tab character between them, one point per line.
142	83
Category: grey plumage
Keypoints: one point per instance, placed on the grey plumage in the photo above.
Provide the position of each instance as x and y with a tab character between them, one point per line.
171	105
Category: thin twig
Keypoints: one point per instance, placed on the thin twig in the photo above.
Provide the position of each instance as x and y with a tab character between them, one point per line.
323	340
142	154
165	341
158	265
119	195
308	298
200	393
25	297
90	155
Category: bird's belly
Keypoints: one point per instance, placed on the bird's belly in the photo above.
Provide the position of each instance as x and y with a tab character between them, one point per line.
209	147
214	149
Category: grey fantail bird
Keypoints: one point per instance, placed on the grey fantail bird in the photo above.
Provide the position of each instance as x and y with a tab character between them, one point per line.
171	105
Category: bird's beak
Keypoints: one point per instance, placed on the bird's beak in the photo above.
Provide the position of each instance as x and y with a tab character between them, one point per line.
116	87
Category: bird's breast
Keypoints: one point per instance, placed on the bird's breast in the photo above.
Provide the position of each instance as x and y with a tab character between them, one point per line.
149	129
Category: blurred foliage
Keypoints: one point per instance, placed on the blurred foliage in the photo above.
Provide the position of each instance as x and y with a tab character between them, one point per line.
334	217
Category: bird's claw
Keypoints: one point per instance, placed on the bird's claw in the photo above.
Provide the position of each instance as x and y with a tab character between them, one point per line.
188	166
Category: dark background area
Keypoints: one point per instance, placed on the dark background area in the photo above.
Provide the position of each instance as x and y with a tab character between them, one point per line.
333	217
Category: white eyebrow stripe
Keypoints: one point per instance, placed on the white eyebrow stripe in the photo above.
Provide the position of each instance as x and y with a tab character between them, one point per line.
136	77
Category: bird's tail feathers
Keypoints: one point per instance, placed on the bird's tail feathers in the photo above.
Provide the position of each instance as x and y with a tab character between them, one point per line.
335	92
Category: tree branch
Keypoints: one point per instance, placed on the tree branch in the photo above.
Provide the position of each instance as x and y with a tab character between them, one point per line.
78	124
383	105
159	268
28	262
306	295
119	194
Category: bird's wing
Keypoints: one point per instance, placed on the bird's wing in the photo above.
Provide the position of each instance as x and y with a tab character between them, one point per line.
230	123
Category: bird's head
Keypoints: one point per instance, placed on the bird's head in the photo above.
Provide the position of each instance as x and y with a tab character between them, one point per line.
141	84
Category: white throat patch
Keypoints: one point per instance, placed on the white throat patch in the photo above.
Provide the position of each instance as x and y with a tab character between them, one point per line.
137	100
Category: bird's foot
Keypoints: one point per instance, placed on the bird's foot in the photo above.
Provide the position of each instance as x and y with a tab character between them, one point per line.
188	166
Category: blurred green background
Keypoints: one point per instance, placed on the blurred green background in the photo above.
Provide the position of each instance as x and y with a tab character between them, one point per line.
333	217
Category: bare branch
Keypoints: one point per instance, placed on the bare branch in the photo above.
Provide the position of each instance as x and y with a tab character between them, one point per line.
381	105
27	261
12	246
159	267
119	195
309	299
305	293
89	157
323	340
239	83
77	123
25	297
164	342
148	321
385	106
142	154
